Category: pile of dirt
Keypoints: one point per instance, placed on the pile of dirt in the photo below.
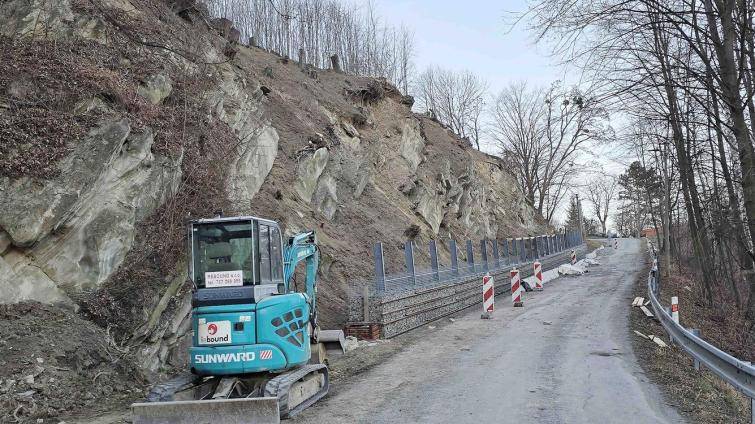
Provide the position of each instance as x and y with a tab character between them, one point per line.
699	395
53	363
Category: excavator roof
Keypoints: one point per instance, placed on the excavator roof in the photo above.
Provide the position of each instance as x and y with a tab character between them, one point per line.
231	218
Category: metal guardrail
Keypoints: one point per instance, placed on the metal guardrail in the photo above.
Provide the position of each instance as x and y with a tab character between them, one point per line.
736	372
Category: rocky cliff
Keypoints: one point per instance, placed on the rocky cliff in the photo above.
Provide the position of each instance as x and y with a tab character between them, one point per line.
119	119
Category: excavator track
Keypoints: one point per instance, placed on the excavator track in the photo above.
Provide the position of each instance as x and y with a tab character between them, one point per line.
289	387
166	391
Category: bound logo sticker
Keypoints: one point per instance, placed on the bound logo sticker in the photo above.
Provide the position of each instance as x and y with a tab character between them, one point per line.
215	332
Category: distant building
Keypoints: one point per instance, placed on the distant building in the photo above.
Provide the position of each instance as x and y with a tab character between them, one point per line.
648	232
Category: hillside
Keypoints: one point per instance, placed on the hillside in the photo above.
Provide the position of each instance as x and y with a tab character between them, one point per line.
119	119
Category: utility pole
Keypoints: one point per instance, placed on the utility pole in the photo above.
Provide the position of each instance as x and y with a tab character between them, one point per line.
581	219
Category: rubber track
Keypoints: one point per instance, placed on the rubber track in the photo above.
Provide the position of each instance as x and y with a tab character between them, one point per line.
164	392
279	387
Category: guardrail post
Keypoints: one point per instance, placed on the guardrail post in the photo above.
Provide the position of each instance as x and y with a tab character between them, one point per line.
484	253
538	247
454	257
514	251
377	251
496	256
409	255
470	257
696	332
522	250
434	259
506	258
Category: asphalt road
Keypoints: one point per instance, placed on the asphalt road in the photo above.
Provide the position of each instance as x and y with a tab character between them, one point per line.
565	357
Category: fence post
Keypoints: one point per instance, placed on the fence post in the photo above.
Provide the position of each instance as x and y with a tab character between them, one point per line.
522	250
514	251
434	259
537	247
454	257
470	256
506	258
409	255
377	250
496	256
484	253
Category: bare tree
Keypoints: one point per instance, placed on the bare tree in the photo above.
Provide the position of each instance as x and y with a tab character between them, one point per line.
364	44
683	71
601	191
455	99
541	132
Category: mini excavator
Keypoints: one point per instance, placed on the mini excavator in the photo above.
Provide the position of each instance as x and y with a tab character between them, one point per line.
251	358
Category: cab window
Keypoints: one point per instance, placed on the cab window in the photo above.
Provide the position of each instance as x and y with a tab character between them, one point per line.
276	254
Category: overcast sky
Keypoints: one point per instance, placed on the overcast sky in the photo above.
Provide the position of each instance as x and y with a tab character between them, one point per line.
478	35
474	35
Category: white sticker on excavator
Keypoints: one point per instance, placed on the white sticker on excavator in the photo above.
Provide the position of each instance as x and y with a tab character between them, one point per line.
223	279
215	332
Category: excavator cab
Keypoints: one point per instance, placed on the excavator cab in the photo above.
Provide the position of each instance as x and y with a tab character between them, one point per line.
241	259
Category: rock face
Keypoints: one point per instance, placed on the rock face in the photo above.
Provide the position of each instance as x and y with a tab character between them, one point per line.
375	170
412	143
72	232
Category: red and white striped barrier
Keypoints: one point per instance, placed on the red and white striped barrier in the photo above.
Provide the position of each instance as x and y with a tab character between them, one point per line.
573	257
516	288
675	309
538	271
488	296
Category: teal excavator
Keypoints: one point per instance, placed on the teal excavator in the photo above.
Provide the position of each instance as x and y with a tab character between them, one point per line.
251	358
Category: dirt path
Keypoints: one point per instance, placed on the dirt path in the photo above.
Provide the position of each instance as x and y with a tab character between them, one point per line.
565	357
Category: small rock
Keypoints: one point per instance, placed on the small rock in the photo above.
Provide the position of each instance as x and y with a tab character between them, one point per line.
431	327
29	379
27	393
40	361
156	88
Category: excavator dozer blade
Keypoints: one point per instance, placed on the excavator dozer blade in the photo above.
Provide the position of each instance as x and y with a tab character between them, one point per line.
261	410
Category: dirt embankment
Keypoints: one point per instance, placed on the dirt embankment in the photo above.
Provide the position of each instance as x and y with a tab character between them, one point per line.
699	395
54	364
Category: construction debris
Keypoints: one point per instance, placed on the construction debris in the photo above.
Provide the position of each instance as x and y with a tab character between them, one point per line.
638	301
640	334
646	311
657	340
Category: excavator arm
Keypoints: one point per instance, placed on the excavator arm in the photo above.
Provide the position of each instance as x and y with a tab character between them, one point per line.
303	247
